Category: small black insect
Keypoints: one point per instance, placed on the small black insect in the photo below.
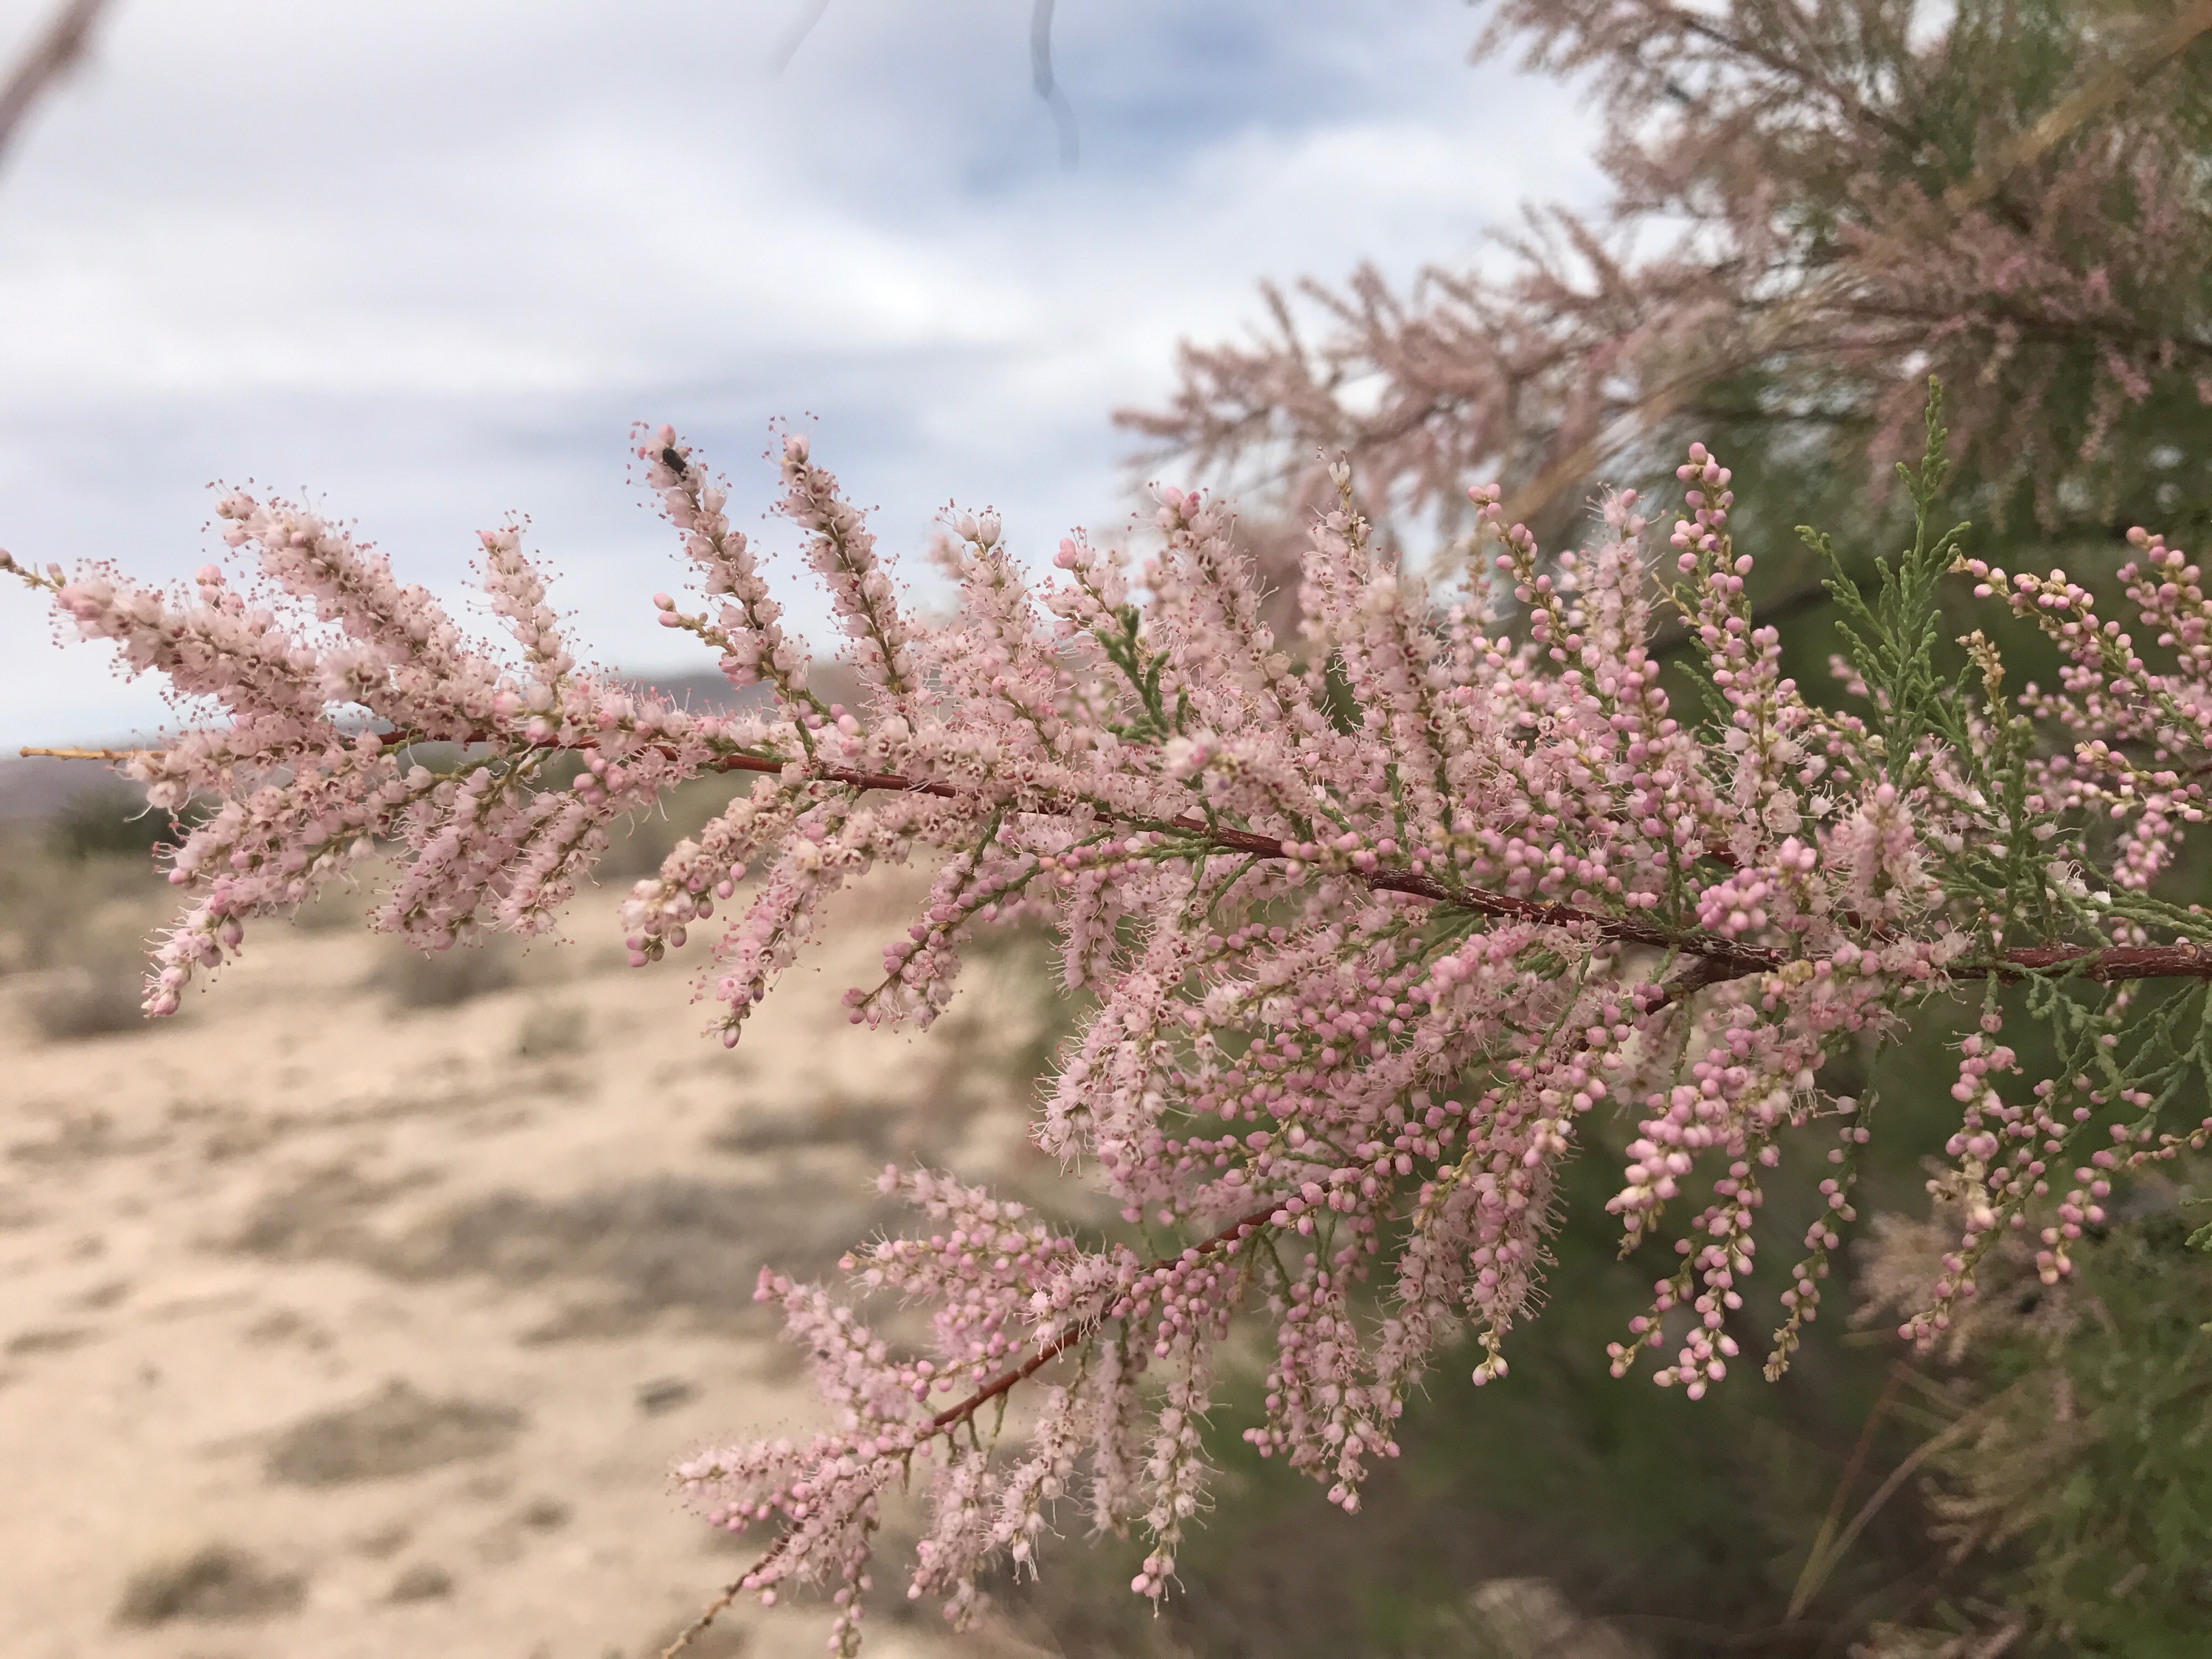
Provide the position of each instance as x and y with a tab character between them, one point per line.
674	461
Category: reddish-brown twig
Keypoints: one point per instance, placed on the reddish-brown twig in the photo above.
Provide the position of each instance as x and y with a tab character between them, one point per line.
2107	966
964	1410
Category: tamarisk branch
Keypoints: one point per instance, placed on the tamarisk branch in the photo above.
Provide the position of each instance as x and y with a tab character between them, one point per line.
1370	922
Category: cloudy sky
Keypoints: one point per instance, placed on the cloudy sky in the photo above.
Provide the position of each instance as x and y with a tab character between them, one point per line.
427	259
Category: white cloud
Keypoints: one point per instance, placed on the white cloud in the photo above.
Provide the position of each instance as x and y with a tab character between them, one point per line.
431	258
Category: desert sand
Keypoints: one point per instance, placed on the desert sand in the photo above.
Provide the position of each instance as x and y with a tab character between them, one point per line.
334	1326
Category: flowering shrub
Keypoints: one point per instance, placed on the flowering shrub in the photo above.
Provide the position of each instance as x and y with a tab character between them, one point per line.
1807	206
1373	926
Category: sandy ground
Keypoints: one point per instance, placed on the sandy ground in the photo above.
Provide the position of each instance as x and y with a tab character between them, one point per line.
331	1328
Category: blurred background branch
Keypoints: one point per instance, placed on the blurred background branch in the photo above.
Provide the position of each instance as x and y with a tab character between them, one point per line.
1041	76
59	47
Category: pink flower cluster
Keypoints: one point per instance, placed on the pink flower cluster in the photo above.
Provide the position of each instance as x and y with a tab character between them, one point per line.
1376	920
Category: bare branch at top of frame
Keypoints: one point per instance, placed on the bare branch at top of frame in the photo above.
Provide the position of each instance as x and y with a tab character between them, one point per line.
58	48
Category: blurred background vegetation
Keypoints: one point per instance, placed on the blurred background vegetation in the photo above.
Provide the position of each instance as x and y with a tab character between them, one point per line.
1817	205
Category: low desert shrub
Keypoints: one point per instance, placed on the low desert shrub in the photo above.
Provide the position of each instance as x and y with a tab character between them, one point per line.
95	996
414	978
74	924
110	822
